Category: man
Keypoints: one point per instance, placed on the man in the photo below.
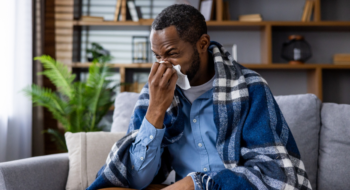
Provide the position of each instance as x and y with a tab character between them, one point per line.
225	132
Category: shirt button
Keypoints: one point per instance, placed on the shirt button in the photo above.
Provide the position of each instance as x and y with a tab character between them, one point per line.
200	144
141	158
151	137
194	120
205	169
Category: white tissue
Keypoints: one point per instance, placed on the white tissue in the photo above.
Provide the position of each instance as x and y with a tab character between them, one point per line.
182	80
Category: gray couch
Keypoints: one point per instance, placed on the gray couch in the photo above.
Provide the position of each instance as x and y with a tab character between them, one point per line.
322	132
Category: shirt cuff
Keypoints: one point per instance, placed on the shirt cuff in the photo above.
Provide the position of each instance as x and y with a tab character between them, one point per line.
149	135
193	175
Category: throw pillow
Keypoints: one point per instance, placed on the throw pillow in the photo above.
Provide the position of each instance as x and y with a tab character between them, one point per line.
302	113
87	154
123	107
334	149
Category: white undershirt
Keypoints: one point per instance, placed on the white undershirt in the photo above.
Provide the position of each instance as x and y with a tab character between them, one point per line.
195	91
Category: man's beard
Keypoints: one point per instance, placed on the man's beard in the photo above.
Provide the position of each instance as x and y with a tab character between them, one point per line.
194	65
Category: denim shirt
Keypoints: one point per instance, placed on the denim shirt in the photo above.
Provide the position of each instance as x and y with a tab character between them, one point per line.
194	152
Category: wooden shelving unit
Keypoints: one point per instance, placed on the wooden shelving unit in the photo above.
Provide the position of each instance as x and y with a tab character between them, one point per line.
247	65
219	23
68	31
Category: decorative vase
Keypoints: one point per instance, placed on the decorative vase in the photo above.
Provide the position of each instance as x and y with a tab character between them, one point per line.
296	50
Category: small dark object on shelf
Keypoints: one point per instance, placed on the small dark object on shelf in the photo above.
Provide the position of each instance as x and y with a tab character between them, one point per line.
296	50
97	52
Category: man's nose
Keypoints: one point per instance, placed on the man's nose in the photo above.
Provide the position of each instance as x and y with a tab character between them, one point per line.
163	59
166	63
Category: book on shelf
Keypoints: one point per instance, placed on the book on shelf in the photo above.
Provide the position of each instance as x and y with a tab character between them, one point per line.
123	11
250	17
206	8
91	18
226	12
138	11
219	10
308	10
117	10
306	7
311	8
341	59
132	10
127	10
341	62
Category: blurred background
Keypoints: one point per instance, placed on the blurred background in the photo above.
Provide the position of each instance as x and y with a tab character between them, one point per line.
298	46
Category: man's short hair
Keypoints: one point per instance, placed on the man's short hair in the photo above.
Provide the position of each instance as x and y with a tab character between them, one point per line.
188	21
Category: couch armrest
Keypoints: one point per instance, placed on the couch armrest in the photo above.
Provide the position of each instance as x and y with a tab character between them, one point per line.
42	172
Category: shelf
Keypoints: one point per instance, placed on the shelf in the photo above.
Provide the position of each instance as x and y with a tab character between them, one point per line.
220	23
287	66
250	66
147	22
299	23
115	65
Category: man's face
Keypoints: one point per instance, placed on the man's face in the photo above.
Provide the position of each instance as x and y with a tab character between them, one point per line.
167	46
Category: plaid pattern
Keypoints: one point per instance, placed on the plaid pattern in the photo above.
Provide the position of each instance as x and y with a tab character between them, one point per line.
253	141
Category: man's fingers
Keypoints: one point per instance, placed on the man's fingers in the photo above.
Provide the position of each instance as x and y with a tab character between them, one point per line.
154	68
166	77
161	70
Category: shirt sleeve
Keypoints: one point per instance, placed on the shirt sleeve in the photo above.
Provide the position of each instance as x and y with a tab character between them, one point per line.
145	155
196	186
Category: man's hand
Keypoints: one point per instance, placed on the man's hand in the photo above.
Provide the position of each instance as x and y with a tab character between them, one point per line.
161	85
184	184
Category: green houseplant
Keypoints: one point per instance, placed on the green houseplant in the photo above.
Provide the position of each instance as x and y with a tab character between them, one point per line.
97	52
78	106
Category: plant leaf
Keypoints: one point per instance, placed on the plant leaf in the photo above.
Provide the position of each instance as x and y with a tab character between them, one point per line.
46	98
58	74
79	103
58	138
95	83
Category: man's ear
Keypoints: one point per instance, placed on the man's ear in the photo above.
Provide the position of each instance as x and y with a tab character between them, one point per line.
203	43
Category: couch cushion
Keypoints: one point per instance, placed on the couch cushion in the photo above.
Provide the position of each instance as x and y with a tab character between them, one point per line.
87	154
124	105
334	165
302	113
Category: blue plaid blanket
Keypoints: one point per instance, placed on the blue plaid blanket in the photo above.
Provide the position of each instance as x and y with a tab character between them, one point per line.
253	140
